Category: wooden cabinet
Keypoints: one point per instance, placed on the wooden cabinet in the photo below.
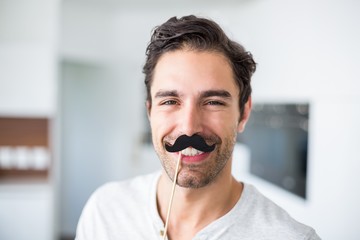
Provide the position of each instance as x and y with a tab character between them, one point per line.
24	149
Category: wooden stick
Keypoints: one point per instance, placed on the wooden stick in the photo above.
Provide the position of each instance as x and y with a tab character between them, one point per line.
171	197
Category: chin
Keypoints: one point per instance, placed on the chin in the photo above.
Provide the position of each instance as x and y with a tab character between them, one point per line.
194	180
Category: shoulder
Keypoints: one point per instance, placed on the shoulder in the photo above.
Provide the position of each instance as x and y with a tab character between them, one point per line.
120	191
271	219
116	209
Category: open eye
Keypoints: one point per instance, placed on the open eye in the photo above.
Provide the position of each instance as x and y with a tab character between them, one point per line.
169	102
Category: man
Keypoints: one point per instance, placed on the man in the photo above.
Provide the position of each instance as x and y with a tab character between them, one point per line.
198	99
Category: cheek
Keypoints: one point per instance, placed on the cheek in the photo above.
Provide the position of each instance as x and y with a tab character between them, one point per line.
222	122
160	126
226	130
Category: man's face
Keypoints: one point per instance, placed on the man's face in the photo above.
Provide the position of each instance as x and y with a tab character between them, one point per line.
194	93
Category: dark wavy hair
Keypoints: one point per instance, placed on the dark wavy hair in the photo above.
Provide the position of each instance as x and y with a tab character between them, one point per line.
199	34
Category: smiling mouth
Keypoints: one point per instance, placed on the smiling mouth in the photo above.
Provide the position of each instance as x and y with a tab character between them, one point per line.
190	151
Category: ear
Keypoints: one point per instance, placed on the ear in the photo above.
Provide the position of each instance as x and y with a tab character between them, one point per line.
148	108
245	116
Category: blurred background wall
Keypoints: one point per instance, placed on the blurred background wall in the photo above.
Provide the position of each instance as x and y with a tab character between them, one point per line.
28	112
91	88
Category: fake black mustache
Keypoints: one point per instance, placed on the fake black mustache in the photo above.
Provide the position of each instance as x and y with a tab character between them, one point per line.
185	141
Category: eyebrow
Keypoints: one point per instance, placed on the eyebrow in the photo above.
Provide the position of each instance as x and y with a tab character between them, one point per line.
205	94
171	93
215	93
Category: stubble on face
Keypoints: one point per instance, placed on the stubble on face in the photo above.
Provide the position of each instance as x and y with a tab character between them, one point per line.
199	175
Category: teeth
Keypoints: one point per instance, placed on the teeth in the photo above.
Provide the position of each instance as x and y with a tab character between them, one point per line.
190	152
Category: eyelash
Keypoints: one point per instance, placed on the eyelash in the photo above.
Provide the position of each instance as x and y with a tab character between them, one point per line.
211	103
169	102
215	103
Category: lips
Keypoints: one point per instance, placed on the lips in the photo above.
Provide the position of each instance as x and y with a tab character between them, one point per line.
191	156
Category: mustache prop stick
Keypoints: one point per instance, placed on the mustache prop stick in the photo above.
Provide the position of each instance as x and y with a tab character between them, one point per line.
180	144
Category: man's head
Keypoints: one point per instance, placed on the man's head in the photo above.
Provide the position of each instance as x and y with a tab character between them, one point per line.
199	34
198	83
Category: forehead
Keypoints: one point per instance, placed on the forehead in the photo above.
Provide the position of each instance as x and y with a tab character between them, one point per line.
188	70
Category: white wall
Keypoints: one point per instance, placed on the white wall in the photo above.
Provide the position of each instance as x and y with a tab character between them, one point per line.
28	57
27	212
306	51
28	88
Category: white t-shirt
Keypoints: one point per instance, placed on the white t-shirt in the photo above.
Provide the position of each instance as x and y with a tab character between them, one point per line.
127	210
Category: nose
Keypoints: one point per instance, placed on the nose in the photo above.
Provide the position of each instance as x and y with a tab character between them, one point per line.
190	119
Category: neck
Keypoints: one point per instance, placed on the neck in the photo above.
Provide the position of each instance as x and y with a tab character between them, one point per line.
190	210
